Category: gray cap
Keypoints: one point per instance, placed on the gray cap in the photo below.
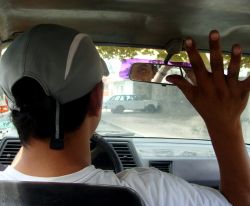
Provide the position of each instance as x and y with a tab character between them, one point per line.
64	62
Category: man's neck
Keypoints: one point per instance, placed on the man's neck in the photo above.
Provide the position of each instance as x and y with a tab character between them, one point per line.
37	159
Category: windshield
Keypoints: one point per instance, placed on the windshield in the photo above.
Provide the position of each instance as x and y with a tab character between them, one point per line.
138	109
172	117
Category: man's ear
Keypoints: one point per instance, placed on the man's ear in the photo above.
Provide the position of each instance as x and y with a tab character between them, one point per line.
95	103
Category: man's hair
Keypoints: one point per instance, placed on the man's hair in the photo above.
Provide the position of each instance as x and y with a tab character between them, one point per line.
36	114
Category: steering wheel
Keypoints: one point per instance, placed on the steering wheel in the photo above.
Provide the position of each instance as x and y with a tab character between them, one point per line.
103	155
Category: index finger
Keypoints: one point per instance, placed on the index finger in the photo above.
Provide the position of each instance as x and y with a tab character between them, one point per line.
197	63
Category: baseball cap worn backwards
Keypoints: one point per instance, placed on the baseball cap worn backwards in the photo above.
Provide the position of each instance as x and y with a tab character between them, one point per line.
63	61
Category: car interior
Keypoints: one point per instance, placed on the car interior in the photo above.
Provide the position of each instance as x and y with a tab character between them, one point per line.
172	138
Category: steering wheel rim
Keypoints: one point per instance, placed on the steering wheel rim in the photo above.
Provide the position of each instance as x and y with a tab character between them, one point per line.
101	145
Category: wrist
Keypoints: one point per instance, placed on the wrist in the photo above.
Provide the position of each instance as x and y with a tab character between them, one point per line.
228	128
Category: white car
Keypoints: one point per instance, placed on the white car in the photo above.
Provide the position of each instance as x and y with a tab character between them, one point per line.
119	103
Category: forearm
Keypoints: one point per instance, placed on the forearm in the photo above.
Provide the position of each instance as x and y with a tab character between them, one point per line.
233	161
220	99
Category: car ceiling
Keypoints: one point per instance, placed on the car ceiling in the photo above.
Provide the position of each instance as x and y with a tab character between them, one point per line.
151	23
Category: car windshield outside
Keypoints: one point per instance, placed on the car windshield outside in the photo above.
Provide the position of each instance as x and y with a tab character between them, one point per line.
139	109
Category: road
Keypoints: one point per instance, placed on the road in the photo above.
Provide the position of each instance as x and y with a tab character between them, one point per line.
159	125
147	125
154	125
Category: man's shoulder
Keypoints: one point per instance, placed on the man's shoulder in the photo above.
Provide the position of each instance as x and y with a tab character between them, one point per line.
4	176
163	188
148	175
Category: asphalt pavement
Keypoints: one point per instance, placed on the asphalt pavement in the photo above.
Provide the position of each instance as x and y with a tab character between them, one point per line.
154	125
159	125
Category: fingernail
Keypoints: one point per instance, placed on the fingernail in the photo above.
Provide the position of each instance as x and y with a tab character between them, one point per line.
237	50
214	35
188	42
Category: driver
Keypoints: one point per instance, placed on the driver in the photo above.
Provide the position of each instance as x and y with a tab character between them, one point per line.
52	76
143	72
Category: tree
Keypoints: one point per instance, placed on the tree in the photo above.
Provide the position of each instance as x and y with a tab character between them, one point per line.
109	52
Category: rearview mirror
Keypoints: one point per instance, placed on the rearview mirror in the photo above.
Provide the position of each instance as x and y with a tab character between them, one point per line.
157	73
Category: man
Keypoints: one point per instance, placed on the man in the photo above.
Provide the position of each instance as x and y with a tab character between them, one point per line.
52	77
142	72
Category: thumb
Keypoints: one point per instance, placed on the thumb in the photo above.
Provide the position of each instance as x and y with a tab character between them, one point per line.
186	88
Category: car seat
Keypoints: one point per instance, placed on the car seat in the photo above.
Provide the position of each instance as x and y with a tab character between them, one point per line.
55	194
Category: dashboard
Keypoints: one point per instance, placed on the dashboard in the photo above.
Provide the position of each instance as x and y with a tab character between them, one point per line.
193	160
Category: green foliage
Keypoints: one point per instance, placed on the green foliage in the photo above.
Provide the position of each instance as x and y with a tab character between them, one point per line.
109	52
245	61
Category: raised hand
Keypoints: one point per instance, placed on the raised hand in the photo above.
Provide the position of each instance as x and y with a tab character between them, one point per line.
220	100
217	97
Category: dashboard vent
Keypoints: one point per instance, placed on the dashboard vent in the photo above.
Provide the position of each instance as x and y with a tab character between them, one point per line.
125	154
164	166
9	150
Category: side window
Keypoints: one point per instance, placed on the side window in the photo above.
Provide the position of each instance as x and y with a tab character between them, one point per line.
133	97
3	103
129	98
123	98
117	98
5	123
2	99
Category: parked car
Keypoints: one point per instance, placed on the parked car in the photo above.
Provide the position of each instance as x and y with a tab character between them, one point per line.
119	103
